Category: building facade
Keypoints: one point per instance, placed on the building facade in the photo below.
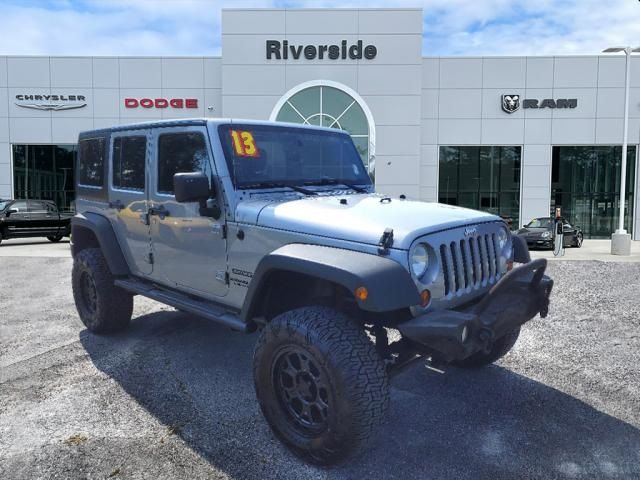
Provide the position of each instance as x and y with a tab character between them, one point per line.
517	136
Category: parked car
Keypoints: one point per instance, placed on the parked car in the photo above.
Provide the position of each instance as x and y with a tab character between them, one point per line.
33	218
277	227
539	233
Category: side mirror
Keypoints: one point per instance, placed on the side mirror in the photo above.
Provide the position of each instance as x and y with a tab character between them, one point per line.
10	211
191	187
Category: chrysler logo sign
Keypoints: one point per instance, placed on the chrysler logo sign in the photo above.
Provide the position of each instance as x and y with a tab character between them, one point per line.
511	103
51	102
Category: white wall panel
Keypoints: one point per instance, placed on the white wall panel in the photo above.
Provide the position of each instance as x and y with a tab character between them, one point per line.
394	49
251	80
394	109
430	73
182	73
213	98
70	72
492	103
609	130
213	73
460	103
412	192
611	71
4	102
570	72
138	94
497	131
390	21
610	102
570	131
459	132
252	21
4	131
586	102
28	72
3	71
508	72
140	72
321	22
184	93
460	72
106	72
382	80
538	94
537	131
429	131
16	110
106	122
398	140
106	102
539	72
397	169
66	130
344	74
30	130
430	103
251	107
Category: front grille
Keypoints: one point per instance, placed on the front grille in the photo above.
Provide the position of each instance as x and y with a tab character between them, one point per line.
470	262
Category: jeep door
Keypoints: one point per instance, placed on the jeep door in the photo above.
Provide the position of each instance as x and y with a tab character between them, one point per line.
128	197
189	250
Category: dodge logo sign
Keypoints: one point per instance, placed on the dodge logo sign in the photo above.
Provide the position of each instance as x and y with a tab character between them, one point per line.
510	103
161	102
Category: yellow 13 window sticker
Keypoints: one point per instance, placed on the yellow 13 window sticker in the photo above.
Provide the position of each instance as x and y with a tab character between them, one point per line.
243	144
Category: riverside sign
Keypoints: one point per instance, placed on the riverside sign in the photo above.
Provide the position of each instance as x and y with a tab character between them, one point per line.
282	50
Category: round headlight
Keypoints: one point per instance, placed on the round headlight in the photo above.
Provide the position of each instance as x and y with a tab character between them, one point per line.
503	237
546	234
419	260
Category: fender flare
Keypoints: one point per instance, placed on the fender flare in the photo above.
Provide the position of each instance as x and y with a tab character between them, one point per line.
101	227
389	284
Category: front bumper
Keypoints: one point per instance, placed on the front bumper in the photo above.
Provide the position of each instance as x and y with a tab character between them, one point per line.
456	334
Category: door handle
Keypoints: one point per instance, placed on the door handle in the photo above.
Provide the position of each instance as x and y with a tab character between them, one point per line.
117	204
159	211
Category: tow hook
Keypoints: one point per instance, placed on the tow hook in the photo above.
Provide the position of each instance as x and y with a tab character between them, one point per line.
486	338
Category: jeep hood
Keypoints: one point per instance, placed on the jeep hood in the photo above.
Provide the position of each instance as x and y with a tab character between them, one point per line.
362	219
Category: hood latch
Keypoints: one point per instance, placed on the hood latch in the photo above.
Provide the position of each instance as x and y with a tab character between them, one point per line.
386	241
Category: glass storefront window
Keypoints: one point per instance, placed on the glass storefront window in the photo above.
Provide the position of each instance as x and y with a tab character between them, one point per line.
45	172
585	183
329	107
482	178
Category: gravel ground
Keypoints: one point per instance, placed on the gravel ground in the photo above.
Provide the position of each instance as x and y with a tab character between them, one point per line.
173	396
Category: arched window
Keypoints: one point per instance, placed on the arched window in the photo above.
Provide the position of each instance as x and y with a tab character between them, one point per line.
330	104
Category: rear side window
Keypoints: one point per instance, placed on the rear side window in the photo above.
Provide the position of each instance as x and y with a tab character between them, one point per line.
128	159
91	162
180	153
20	206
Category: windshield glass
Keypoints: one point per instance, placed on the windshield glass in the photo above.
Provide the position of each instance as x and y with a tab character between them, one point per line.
275	155
3	205
539	223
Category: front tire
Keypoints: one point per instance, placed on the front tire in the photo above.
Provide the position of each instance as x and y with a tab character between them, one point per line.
499	349
55	239
320	383
103	307
578	241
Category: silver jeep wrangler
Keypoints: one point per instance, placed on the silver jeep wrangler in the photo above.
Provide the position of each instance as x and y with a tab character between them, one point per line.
276	227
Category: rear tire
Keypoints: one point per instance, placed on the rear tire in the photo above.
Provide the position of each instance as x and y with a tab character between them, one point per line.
499	349
320	383
578	241
55	239
103	307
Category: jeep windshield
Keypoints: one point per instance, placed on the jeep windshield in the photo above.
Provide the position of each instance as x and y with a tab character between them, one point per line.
269	156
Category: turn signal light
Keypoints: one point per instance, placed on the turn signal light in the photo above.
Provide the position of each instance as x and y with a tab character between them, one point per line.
425	297
362	293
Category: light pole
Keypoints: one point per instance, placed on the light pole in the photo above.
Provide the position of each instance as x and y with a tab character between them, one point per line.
621	240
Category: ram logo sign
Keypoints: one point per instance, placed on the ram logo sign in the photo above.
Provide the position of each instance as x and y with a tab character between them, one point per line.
511	103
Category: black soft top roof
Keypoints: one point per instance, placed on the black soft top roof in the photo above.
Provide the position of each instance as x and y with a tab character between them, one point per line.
141	126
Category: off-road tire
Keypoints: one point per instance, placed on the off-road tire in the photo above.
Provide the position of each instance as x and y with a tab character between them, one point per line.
348	368
55	239
103	307
499	349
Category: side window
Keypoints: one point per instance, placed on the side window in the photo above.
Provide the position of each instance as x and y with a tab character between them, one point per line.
178	153
35	206
128	158
91	162
21	206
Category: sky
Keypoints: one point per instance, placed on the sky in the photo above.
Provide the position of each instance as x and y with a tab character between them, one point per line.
192	27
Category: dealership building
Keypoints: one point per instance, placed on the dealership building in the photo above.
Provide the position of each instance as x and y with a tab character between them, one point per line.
517	136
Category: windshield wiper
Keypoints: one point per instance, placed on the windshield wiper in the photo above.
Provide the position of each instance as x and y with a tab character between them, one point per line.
280	185
335	181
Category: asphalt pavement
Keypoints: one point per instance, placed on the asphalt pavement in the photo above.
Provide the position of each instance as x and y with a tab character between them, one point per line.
172	397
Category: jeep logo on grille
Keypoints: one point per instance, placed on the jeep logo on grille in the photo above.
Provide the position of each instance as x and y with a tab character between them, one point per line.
470	231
